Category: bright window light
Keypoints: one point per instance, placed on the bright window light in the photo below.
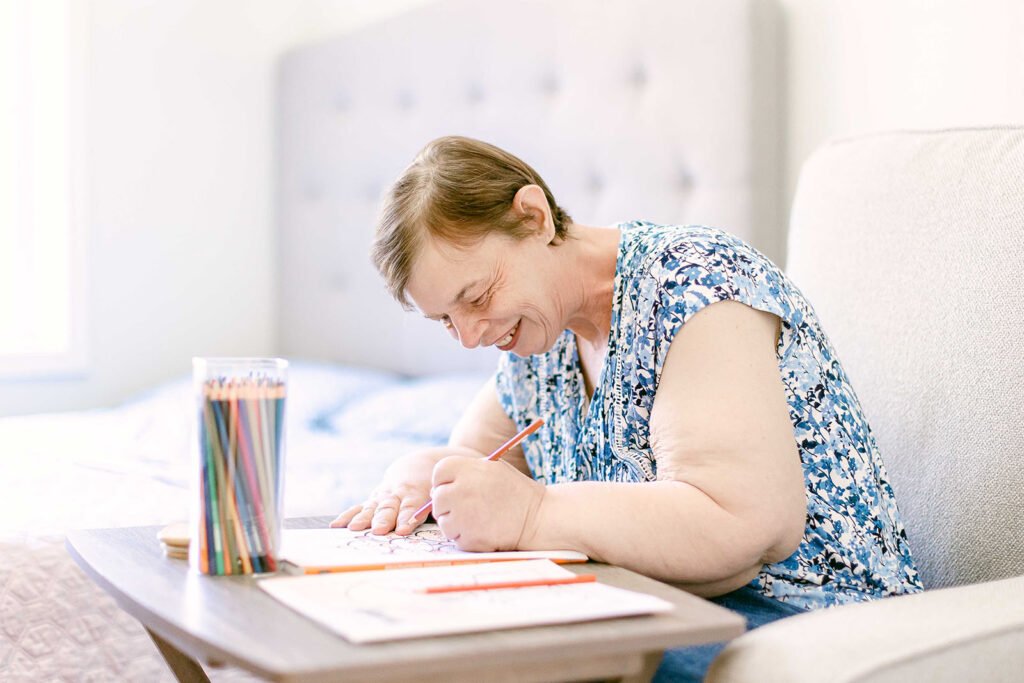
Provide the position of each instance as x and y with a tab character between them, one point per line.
38	244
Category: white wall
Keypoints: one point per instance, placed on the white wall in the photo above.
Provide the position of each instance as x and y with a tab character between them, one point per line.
179	161
854	67
179	184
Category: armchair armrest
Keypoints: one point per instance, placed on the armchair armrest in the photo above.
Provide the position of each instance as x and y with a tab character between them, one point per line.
973	632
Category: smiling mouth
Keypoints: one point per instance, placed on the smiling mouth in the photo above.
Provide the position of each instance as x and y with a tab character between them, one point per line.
505	343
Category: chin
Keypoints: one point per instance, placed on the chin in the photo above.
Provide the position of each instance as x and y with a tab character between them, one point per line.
520	349
523	350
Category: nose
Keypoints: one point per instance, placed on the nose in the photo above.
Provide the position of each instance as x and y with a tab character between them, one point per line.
470	330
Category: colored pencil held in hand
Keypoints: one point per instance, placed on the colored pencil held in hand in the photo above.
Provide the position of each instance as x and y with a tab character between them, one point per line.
496	455
240	431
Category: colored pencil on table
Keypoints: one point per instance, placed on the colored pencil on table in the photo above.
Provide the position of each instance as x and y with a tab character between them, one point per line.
579	578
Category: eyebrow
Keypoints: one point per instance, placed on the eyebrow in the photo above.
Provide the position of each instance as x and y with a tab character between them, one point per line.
458	297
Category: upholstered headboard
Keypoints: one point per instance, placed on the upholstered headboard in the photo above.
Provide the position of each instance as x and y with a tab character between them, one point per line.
659	110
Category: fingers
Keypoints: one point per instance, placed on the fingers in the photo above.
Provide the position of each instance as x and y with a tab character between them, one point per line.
362	519
391	512
449	527
442	510
383	520
446	469
406	523
345	517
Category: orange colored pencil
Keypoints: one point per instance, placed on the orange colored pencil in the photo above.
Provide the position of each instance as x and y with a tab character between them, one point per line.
579	578
496	455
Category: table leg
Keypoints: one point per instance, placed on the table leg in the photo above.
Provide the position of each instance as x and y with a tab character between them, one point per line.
186	669
646	672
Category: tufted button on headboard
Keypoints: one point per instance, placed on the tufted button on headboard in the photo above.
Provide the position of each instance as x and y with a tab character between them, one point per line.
654	110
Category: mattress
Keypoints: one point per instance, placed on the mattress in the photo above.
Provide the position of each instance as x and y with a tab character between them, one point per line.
129	466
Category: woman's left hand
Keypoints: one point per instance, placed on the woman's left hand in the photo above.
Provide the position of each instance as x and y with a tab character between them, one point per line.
484	505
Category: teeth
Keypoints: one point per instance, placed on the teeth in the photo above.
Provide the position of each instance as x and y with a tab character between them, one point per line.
508	338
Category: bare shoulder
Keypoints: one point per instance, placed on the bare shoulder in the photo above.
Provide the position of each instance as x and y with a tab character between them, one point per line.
737	326
717	358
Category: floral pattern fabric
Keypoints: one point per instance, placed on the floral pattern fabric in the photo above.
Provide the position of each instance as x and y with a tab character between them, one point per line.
854	546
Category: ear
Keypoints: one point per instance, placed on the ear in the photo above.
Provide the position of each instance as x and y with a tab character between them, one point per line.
531	202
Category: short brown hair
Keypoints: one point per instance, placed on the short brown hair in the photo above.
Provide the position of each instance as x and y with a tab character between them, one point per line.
457	189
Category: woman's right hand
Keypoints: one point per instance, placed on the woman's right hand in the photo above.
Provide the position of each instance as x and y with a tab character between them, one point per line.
404	489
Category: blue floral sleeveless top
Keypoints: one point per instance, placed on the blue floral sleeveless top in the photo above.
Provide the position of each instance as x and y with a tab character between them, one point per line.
854	546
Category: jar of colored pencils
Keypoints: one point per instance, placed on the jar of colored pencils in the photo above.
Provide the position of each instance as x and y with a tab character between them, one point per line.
238	477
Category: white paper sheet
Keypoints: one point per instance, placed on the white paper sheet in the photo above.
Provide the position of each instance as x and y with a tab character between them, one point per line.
375	606
347	550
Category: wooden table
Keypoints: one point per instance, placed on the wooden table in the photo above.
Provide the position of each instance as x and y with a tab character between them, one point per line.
194	618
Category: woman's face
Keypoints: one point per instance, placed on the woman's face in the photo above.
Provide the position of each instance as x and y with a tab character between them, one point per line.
501	292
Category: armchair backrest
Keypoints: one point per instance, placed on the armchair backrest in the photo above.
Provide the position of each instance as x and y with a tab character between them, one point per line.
910	247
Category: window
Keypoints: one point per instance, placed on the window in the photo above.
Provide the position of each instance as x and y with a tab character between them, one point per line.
41	247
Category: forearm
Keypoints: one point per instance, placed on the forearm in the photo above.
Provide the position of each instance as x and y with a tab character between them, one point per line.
668	530
485	426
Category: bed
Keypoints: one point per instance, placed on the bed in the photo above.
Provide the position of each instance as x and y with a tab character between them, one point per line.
129	465
663	111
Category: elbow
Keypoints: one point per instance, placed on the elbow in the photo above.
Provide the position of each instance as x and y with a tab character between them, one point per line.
756	536
712	589
775	513
733	541
780	529
743	553
789	540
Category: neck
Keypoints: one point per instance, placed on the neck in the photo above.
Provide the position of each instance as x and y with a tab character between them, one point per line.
595	253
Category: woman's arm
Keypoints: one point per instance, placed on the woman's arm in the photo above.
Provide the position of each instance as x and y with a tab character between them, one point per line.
730	493
485	426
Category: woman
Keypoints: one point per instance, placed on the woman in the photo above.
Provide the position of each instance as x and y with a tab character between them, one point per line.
699	428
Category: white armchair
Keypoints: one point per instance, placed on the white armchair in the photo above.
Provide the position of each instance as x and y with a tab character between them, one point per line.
910	246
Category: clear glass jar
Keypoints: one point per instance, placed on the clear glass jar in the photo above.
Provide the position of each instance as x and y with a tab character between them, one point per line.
238	473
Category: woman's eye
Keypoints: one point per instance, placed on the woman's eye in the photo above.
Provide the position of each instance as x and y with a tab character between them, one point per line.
480	300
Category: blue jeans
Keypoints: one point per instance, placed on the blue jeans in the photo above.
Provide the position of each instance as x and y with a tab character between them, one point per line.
689	664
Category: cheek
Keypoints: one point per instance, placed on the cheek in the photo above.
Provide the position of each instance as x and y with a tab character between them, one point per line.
540	316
